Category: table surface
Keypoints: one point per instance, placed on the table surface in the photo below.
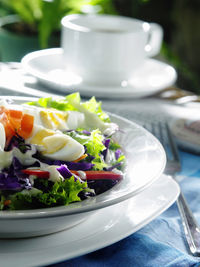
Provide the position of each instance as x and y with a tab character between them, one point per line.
161	242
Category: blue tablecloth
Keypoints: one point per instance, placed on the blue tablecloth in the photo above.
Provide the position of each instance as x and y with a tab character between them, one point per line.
161	243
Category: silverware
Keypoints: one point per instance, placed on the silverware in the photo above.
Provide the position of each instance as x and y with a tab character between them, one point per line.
178	95
191	228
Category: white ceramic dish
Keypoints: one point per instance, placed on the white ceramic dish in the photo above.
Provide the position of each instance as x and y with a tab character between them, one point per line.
145	162
47	65
108	226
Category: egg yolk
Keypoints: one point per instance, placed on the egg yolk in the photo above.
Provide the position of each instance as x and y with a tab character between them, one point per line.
53	120
40	135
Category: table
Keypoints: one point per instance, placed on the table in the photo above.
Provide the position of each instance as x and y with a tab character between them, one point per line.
161	242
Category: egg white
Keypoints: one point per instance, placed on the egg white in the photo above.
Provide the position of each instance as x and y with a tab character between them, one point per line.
55	119
70	151
2	137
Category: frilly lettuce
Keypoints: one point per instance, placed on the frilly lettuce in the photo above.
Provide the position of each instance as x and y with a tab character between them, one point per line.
94	146
94	116
61	193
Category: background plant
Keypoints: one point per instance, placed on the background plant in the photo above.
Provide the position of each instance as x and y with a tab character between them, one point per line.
179	18
43	16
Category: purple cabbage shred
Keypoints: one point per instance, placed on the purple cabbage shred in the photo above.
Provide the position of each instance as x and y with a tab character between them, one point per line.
19	142
13	178
106	143
8	182
117	153
113	167
64	171
81	166
86	132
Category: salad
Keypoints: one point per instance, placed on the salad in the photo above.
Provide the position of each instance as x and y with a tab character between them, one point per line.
56	151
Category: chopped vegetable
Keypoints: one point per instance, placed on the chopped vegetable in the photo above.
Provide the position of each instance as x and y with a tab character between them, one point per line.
15	122
100	175
64	171
49	161
37	172
81	158
26	126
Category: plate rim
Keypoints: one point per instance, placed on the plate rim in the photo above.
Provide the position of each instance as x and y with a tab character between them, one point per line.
60	256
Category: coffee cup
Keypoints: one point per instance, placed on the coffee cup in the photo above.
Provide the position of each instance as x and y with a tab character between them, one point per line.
107	49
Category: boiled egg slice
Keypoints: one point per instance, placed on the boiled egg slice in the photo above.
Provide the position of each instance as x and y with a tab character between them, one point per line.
2	137
56	145
55	119
62	147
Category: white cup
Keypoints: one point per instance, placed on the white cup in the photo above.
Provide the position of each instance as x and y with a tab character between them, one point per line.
107	49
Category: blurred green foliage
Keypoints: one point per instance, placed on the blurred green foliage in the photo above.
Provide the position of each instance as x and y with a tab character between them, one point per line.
179	18
44	16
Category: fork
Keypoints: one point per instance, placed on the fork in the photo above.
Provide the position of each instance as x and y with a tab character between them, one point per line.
191	228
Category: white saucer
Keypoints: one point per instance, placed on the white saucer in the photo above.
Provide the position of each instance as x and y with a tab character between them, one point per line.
106	227
48	67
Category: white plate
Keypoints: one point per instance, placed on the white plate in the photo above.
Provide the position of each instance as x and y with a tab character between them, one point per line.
145	159
108	226
47	65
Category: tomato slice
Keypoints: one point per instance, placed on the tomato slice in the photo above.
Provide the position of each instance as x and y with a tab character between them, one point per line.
100	175
37	172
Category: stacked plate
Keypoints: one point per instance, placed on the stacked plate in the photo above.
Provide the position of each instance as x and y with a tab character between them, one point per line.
62	233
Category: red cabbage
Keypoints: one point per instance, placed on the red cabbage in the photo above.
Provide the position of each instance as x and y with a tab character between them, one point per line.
9	182
117	153
13	178
81	166
64	171
106	143
86	132
19	142
114	166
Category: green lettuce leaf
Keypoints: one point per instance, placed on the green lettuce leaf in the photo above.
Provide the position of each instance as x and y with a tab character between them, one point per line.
48	102
94	145
91	108
60	193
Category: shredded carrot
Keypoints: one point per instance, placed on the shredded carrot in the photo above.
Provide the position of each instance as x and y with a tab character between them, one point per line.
82	157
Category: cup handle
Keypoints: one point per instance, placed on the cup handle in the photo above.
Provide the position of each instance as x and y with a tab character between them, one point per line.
153	46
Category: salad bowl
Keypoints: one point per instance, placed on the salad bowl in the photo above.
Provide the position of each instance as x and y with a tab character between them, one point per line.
145	162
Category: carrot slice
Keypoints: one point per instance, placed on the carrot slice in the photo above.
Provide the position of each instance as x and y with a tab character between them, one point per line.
9	129
15	117
82	157
17	114
15	122
26	126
